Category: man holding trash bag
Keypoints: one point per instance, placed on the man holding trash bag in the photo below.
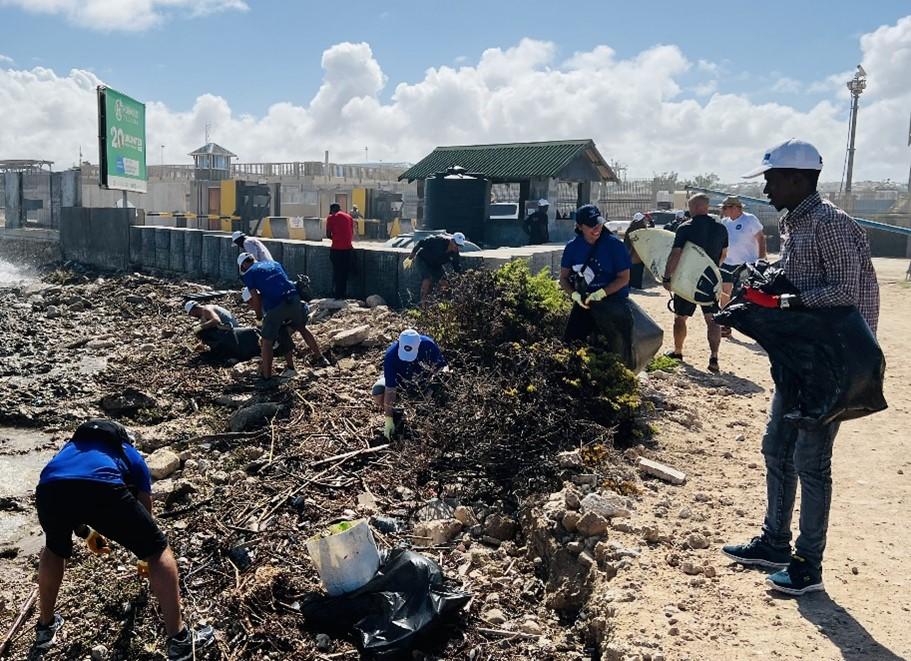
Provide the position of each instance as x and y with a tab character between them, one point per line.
826	256
99	486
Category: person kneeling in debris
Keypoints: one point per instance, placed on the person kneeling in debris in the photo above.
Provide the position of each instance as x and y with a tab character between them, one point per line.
432	253
216	322
275	298
408	360
594	270
99	486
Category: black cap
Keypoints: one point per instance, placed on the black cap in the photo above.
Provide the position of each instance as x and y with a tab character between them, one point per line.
589	215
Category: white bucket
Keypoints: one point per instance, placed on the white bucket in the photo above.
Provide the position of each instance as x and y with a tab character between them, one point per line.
346	559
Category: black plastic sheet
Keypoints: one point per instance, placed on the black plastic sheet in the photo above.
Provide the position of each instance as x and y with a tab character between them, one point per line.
404	601
824	361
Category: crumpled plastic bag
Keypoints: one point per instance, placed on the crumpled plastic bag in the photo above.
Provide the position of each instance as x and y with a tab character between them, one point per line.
824	361
405	599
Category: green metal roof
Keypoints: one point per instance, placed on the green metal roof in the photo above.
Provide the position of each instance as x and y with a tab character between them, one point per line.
517	161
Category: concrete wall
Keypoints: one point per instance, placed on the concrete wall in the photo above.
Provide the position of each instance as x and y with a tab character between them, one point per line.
100	237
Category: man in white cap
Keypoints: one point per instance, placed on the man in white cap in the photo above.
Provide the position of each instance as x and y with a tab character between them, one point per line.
826	256
535	224
215	324
431	254
253	246
408	361
746	245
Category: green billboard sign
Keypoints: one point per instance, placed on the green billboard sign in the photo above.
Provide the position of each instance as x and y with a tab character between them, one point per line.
121	141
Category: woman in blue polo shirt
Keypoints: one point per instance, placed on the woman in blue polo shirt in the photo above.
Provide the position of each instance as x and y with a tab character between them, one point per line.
594	270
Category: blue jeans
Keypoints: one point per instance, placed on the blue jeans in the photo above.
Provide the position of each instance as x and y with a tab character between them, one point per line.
791	453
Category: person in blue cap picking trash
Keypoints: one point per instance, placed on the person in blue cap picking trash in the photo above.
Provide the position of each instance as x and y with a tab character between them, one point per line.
407	365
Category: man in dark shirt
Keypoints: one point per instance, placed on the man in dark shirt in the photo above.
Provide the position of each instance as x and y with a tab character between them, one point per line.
98	484
340	228
431	254
535	224
711	236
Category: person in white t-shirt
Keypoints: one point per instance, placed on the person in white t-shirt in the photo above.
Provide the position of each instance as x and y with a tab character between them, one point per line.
746	244
253	246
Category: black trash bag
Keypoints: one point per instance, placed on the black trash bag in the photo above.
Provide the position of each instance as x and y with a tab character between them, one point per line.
825	362
627	330
405	600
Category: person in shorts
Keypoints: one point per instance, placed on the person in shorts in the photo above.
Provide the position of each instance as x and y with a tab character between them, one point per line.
99	487
276	301
431	255
746	245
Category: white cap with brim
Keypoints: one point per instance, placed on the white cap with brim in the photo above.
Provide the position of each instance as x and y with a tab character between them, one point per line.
459	238
189	305
792	154
409	343
243	257
543	203
638	216
235	236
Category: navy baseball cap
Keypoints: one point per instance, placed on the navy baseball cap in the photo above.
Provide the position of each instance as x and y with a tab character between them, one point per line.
589	215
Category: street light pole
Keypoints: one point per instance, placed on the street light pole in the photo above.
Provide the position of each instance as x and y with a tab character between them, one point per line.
856	86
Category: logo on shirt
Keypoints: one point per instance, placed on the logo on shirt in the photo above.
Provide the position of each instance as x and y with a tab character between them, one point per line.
738	226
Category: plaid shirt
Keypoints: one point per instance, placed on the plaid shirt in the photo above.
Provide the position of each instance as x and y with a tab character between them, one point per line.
827	257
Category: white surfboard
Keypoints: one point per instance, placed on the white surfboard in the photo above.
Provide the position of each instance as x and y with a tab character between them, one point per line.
697	278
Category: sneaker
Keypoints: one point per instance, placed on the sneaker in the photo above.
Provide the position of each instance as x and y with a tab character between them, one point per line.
45	635
757	552
713	365
799	578
184	645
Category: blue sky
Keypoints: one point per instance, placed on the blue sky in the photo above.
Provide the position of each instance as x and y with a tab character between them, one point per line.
272	51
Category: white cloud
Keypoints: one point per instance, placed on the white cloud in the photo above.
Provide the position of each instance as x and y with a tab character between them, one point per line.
5	59
125	15
706	88
635	108
785	85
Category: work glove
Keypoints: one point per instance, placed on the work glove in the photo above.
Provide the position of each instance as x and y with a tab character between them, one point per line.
760	298
142	569
577	299
97	543
389	427
595	296
407	263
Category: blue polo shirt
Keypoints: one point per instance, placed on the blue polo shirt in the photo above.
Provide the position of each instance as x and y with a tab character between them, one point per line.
271	281
609	259
98	461
395	369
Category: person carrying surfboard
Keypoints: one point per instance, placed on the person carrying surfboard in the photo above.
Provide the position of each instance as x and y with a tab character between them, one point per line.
710	235
594	269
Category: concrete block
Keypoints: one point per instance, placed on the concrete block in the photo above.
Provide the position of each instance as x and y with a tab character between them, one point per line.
356	279
148	247
381	273
295	258
162	248
661	471
314	229
136	246
211	256
319	268
276	248
409	282
177	251
227	260
109	238
192	252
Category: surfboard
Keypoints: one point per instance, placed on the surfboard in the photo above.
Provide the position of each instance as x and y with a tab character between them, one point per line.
697	278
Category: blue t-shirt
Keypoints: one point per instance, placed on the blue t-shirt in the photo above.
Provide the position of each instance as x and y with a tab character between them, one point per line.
271	281
609	259
395	369
98	461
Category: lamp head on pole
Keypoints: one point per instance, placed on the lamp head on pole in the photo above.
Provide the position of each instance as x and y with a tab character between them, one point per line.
858	83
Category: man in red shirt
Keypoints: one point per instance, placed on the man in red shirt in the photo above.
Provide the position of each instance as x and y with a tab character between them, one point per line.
340	228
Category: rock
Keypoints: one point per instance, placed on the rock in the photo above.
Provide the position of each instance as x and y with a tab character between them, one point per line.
436	533
530	627
605	505
499	527
697	541
219	477
661	471
254	416
52	312
592	524
435	509
572	500
651	534
466	516
570	459
690	568
375	300
350	338
685	513
127	402
135	300
570	581
575	547
571	520
330	303
162	463
709	571
100	653
323	642
494	616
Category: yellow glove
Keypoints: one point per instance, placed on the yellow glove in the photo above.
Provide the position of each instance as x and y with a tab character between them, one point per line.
595	296
577	299
142	569
389	428
407	263
97	543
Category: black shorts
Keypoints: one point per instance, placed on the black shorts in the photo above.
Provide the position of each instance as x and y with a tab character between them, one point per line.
729	274
111	509
432	272
683	308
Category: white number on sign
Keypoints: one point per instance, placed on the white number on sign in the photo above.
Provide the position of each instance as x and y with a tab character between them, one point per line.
117	138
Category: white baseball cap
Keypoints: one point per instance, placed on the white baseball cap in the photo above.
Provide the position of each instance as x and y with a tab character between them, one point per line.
638	216
235	236
792	154
409	343
245	294
459	238
189	305
680	214
243	257
543	203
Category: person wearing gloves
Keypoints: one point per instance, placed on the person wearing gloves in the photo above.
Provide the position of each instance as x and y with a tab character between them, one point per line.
535	224
408	361
431	254
253	246
595	267
274	297
99	487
